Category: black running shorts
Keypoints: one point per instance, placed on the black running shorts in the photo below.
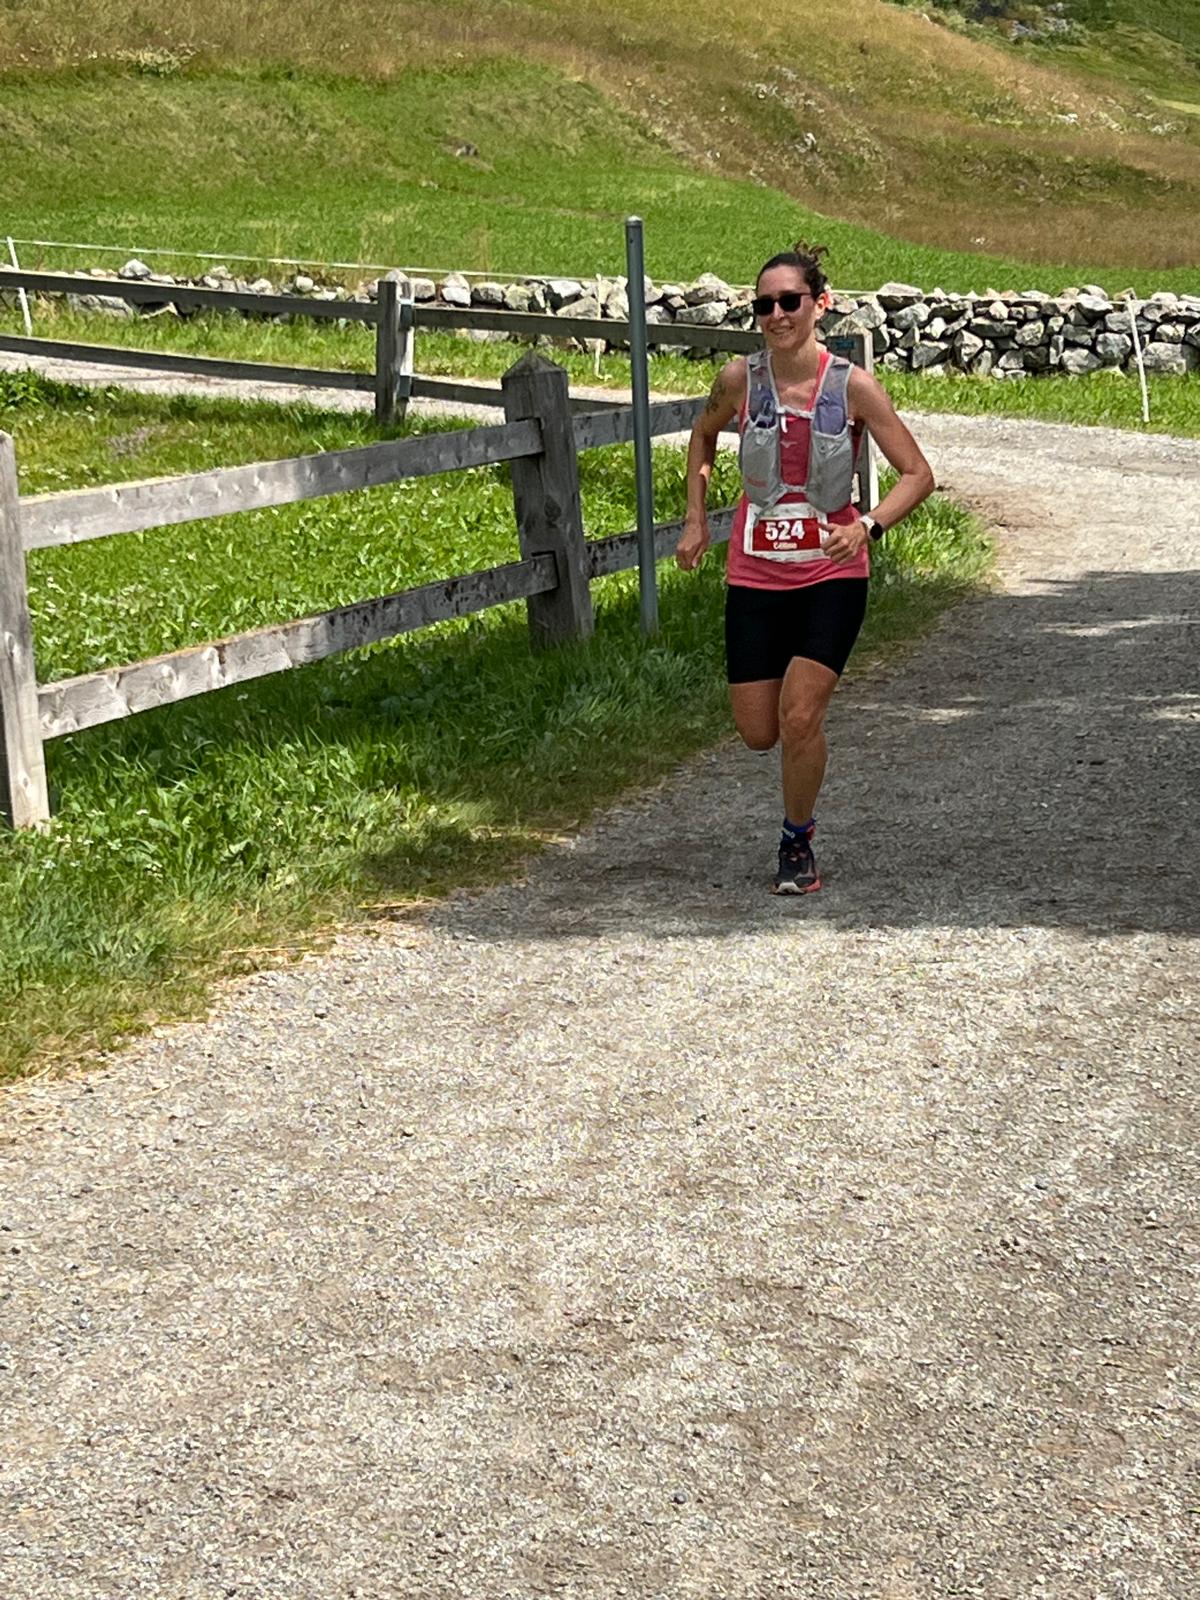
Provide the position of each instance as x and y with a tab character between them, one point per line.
765	628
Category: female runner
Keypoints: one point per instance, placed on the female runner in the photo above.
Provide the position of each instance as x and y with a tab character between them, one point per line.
797	576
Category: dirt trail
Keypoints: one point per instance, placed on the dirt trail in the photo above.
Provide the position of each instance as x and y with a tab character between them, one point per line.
623	1231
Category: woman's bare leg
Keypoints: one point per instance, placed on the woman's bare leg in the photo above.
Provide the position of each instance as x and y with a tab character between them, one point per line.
803	702
755	709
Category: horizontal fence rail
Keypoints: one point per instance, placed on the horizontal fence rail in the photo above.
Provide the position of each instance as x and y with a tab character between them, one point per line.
541	439
141	292
394	319
528	325
619	553
115	355
519	324
471	392
72	704
390	315
82	514
595	429
78	515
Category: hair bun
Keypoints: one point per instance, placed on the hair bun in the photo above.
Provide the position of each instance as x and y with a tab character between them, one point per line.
813	251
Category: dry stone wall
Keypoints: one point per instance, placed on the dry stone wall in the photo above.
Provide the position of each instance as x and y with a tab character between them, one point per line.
1005	335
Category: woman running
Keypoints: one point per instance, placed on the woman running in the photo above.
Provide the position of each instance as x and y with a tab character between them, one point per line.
797	566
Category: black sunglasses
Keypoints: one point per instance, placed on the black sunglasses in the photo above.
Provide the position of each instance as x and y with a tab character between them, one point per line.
791	300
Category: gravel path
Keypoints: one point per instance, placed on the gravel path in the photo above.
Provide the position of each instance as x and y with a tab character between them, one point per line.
168	383
625	1232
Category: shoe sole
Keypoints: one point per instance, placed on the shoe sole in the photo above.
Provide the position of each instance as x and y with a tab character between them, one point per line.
793	889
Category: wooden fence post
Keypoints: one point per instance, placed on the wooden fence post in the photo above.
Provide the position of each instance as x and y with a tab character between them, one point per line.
546	499
860	349
393	352
24	798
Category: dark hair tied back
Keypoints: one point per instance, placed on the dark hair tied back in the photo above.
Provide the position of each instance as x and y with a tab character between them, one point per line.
806	258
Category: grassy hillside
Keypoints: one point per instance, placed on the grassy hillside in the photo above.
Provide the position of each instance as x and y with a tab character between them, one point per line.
1153	45
121	119
300	166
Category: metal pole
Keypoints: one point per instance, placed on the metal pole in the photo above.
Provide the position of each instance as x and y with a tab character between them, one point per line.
635	272
1137	352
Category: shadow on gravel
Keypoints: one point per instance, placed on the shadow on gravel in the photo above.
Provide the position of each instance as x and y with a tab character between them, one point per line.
1035	763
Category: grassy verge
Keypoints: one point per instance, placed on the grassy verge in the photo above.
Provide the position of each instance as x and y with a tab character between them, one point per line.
1108	399
1104	399
196	839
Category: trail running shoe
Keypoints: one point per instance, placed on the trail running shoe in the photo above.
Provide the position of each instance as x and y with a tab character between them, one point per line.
797	870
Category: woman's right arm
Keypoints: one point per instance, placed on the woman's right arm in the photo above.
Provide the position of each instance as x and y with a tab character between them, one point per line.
723	403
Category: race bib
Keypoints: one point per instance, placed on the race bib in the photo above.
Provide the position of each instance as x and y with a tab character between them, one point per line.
785	532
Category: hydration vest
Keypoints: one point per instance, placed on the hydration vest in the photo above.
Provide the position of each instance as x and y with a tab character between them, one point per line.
832	447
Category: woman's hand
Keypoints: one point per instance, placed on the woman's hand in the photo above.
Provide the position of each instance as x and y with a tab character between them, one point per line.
693	542
844	543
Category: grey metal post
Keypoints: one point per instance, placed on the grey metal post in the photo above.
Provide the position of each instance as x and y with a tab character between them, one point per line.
24	798
635	272
868	461
546	499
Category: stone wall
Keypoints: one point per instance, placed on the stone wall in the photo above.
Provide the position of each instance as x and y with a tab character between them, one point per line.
1018	334
1004	335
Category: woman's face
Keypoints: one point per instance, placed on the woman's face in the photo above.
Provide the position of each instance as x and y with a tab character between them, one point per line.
789	330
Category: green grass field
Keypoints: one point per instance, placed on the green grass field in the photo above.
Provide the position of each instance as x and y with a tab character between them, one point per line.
188	839
313	168
1152	43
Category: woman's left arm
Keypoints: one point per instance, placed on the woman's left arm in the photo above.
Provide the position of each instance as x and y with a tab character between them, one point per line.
871	405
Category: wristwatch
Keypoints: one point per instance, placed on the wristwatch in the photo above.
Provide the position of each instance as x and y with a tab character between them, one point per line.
875	530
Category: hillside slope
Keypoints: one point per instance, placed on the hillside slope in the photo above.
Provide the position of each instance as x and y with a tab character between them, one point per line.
887	119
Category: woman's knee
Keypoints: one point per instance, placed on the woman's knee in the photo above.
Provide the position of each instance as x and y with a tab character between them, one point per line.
758	737
807	690
801	723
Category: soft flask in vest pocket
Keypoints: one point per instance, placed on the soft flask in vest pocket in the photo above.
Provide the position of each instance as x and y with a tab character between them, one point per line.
831	449
758	451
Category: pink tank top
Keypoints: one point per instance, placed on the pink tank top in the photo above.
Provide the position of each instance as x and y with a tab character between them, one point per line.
750	571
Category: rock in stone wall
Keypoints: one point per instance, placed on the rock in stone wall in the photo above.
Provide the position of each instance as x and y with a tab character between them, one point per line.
1006	335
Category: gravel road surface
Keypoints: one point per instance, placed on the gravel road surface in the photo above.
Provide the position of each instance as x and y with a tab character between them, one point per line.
623	1231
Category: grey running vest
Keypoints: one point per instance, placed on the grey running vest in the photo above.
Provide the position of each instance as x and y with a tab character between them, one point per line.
831	456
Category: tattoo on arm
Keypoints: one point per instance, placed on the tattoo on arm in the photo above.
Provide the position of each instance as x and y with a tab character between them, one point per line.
716	395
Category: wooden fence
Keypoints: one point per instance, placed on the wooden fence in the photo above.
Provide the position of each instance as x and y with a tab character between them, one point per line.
395	319
540	437
394	381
